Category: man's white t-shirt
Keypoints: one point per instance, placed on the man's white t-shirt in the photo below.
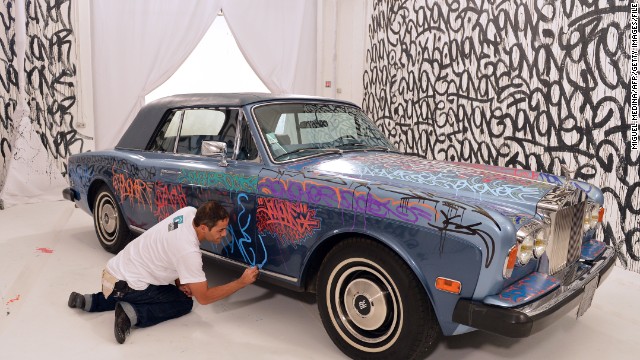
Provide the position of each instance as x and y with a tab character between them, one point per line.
168	251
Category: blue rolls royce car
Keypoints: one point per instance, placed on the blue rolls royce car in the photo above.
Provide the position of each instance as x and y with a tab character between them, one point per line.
398	249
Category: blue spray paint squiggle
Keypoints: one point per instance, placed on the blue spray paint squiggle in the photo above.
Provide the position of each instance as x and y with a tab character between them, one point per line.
248	253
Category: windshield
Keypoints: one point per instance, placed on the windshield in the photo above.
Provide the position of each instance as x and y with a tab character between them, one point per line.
298	130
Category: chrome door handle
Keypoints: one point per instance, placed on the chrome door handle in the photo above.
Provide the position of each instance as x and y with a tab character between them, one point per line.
170	172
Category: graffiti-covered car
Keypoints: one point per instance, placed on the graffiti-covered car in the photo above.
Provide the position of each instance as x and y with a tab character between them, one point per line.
398	249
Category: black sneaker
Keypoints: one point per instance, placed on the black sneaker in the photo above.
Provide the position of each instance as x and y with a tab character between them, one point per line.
122	325
76	300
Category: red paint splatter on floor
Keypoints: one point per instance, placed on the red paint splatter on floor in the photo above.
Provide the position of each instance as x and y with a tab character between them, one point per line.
14	299
45	250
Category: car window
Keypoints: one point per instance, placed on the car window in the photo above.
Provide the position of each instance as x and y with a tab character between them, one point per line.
296	130
190	127
200	125
166	137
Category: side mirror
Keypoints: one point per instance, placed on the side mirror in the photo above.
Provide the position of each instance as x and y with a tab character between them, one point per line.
210	148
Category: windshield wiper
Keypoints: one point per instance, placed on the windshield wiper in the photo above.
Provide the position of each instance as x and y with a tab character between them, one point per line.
363	146
322	150
354	144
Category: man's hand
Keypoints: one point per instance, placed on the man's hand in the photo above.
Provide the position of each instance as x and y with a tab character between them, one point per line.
249	276
185	289
206	295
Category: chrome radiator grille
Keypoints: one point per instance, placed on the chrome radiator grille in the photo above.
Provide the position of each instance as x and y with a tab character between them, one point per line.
566	237
565	208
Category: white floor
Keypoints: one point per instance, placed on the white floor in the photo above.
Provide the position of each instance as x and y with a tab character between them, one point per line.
48	250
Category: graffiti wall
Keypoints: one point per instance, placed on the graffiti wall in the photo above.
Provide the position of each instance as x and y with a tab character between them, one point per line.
527	84
8	84
38	94
50	67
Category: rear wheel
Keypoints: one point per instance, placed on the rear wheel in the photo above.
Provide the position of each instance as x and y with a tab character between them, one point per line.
113	233
372	305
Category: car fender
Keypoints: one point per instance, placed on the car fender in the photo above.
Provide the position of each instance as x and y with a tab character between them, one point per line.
458	251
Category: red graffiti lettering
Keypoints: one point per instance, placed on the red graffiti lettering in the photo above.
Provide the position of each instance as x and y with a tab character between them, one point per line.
135	190
291	222
169	199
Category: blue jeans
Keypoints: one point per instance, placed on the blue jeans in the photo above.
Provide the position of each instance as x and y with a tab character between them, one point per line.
152	305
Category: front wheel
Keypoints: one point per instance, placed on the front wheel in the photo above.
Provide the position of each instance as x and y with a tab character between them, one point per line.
372	305
113	233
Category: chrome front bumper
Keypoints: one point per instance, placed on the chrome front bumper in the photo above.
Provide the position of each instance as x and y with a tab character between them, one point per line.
527	319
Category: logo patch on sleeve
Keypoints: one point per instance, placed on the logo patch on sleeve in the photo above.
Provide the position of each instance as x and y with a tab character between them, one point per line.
176	222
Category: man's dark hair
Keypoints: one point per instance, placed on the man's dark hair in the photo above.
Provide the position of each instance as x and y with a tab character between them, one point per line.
209	214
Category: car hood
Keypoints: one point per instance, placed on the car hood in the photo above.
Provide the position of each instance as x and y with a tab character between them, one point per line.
506	190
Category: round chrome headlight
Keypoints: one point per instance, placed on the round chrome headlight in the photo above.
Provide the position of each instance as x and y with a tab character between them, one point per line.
540	241
532	240
525	250
591	215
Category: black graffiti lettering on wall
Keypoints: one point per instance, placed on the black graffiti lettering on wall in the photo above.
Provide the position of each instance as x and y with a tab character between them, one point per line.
8	84
50	78
5	147
514	83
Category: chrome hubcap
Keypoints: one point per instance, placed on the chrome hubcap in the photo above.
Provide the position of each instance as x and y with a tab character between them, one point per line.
108	220
365	304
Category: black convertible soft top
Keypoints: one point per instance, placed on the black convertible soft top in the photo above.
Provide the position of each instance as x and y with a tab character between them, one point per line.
144	124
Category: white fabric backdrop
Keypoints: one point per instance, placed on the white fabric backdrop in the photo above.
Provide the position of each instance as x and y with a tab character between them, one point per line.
278	40
137	45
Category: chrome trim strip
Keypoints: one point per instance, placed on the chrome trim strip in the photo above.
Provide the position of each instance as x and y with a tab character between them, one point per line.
137	229
234	262
559	198
177	140
218	257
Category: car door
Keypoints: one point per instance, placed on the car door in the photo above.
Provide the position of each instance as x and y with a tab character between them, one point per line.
136	174
186	177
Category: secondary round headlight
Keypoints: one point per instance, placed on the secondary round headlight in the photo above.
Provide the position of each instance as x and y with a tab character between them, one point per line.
591	215
540	242
525	250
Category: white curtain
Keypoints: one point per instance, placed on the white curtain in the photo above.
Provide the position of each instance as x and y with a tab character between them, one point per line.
278	40
136	46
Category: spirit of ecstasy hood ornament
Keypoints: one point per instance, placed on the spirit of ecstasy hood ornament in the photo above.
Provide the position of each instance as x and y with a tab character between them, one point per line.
567	174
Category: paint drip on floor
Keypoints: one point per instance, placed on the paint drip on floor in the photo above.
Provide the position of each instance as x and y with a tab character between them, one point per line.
14	299
9	302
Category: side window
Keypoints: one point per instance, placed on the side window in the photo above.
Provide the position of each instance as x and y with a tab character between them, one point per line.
190	127
200	125
166	137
